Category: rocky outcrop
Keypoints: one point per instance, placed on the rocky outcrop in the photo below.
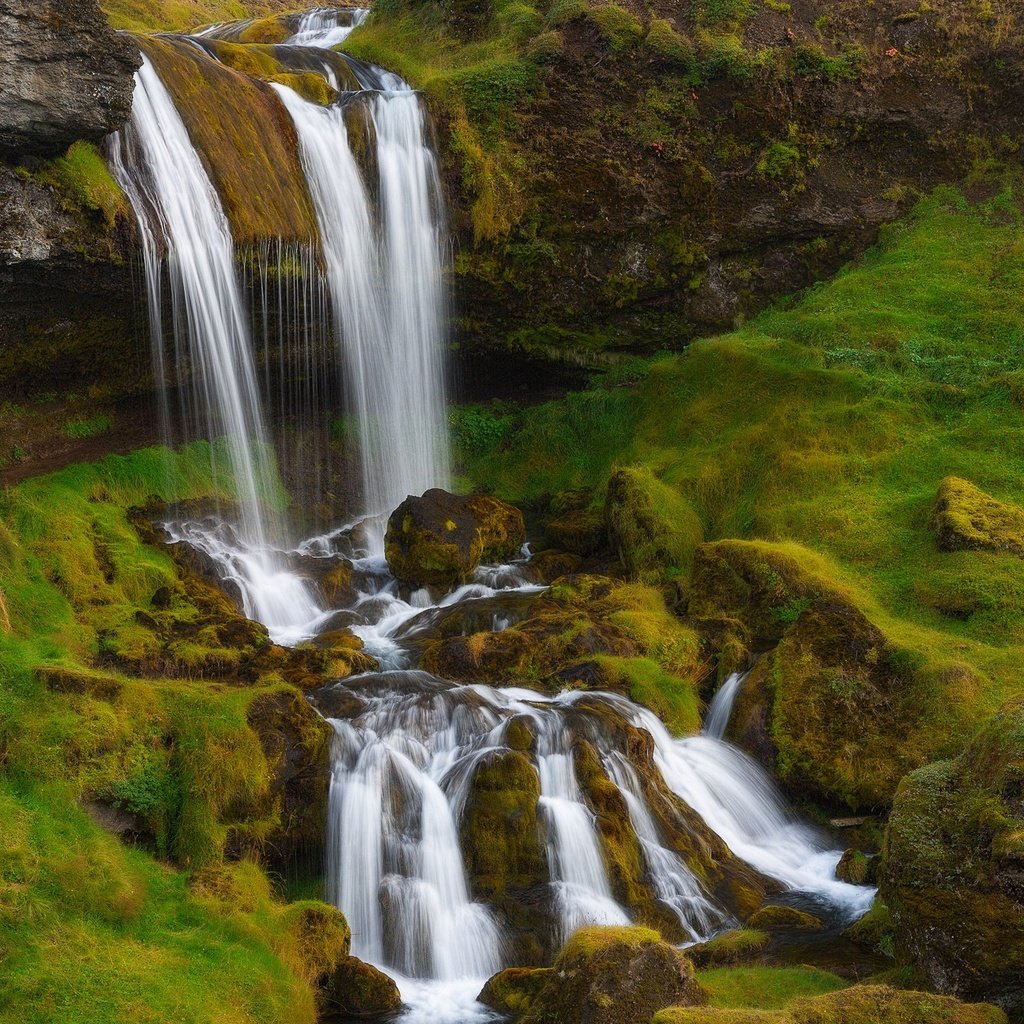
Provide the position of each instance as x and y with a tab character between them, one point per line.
952	870
64	75
601	976
439	539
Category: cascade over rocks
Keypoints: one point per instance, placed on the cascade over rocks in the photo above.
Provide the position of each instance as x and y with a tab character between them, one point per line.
952	871
438	539
64	75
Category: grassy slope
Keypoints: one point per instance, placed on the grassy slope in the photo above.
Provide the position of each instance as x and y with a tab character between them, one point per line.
89	929
830	423
181	15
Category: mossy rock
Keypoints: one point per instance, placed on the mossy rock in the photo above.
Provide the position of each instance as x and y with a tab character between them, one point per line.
267	30
512	991
740	946
857	868
965	518
774	917
619	27
245	138
953	864
549	565
579	531
319	935
440	538
613	976
859	1004
668	45
358	989
837	708
651	527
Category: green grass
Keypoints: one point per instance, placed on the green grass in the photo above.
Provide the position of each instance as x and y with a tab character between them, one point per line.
92	931
829	421
181	15
764	988
87	426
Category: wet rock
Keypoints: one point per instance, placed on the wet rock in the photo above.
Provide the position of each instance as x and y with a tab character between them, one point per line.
651	528
547	566
613	976
857	868
511	992
438	539
578	531
965	518
358	989
296	744
773	917
64	75
952	872
503	849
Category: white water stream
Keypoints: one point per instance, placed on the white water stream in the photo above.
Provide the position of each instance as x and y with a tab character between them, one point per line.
403	762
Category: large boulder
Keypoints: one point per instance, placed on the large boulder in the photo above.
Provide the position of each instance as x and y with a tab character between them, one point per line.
601	976
358	989
952	871
64	75
439	538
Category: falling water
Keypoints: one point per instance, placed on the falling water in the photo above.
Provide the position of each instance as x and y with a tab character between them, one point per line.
384	271
716	721
175	201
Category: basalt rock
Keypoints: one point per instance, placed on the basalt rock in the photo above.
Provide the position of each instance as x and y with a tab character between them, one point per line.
64	75
952	871
440	538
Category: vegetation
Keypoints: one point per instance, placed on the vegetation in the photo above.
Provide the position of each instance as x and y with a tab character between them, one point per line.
90	928
830	423
181	15
765	988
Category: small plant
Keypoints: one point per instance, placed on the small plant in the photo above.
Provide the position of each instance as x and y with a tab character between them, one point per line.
667	44
779	160
82	428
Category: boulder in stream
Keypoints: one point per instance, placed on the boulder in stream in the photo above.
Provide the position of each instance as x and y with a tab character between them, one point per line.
602	976
439	538
358	989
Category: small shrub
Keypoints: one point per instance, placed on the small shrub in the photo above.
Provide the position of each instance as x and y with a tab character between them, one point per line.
811	61
779	160
545	48
563	11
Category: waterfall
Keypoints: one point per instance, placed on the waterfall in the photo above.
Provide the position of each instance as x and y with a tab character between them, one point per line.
174	201
716	721
384	272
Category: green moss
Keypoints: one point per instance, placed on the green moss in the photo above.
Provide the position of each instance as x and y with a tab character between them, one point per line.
652	530
765	988
82	176
181	15
667	44
965	518
742	945
774	917
620	28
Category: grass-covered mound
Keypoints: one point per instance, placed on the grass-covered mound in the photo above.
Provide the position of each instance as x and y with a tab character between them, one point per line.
821	432
180	751
182	15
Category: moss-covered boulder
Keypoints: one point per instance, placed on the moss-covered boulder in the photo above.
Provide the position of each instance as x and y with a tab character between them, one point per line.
580	531
837	707
857	867
952	870
503	848
611	976
651	527
740	946
511	992
859	1004
358	989
438	539
965	518
774	917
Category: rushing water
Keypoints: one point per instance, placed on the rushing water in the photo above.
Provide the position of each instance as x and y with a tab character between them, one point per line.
407	745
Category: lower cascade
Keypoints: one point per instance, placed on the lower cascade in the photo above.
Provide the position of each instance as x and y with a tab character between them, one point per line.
406	859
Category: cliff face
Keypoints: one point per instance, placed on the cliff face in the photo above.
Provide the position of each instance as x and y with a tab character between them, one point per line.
64	75
629	177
